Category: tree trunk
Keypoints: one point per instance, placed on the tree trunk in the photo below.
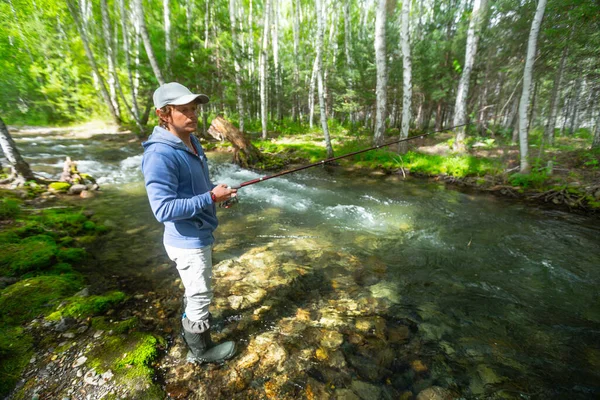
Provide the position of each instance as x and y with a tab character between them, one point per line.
168	46
527	75
311	94
380	60
596	142
147	44
460	109
406	76
580	83
236	63
245	153
296	27
135	110
276	63
555	98
263	69
321	94
74	10
21	172
110	57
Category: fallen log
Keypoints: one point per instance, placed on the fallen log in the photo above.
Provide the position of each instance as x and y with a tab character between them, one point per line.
245	153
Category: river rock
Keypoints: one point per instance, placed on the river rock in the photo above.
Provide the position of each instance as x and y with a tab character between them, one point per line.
386	290
345	394
435	393
77	189
331	339
86	194
91	378
366	391
80	361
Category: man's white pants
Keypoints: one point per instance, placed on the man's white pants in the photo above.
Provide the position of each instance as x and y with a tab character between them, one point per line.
195	270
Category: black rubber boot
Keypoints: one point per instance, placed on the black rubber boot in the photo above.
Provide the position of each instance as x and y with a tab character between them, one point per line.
202	350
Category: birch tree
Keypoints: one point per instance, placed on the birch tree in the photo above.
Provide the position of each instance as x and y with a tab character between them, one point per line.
276	63
74	10
321	94
380	60
527	77
21	172
407	73
167	24
236	62
460	108
147	44
555	97
135	110
263	69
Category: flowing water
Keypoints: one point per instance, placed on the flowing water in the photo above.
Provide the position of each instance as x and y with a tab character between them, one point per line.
503	297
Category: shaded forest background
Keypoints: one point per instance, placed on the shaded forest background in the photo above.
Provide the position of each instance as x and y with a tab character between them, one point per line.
69	62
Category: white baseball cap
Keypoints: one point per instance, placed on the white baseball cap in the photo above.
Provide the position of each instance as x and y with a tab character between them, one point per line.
176	94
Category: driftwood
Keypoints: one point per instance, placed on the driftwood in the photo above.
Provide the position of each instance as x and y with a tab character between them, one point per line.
245	153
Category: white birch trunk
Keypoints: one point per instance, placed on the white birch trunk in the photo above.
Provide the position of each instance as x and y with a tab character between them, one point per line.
236	63
263	69
347	33
407	74
311	94
555	99
206	23
135	108
296	27
74	10
167	22
460	108
380	60
20	168
252	63
147	44
596	142
321	94
527	76
110	57
276	64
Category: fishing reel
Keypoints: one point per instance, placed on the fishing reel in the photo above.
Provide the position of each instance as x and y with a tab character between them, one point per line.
229	202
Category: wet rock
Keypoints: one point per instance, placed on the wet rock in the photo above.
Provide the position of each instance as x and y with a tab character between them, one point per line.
316	390
399	334
365	367
272	354
235	301
331	339
366	391
87	194
248	361
91	378
77	189
345	394
79	362
64	324
238	379
418	366
485	376
435	393
386	290
434	332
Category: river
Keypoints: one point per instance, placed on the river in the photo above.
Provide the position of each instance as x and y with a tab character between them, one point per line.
501	299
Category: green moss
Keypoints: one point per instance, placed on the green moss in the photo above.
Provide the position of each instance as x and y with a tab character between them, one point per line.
9	208
15	353
81	307
34	253
71	255
118	327
59	186
531	180
130	357
31	297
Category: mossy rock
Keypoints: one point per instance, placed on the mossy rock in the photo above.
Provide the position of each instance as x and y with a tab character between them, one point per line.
35	253
71	255
31	297
130	357
81	307
15	353
9	208
59	186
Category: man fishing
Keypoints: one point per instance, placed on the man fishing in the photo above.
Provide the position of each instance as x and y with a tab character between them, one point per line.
183	198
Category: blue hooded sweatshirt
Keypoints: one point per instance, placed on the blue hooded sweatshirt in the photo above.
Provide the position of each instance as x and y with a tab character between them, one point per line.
179	188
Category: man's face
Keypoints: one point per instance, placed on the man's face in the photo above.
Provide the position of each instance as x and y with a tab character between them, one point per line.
184	118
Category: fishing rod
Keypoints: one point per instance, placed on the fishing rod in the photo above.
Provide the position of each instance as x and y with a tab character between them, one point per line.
228	203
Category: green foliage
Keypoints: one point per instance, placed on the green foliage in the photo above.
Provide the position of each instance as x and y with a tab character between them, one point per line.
31	297
81	307
532	180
